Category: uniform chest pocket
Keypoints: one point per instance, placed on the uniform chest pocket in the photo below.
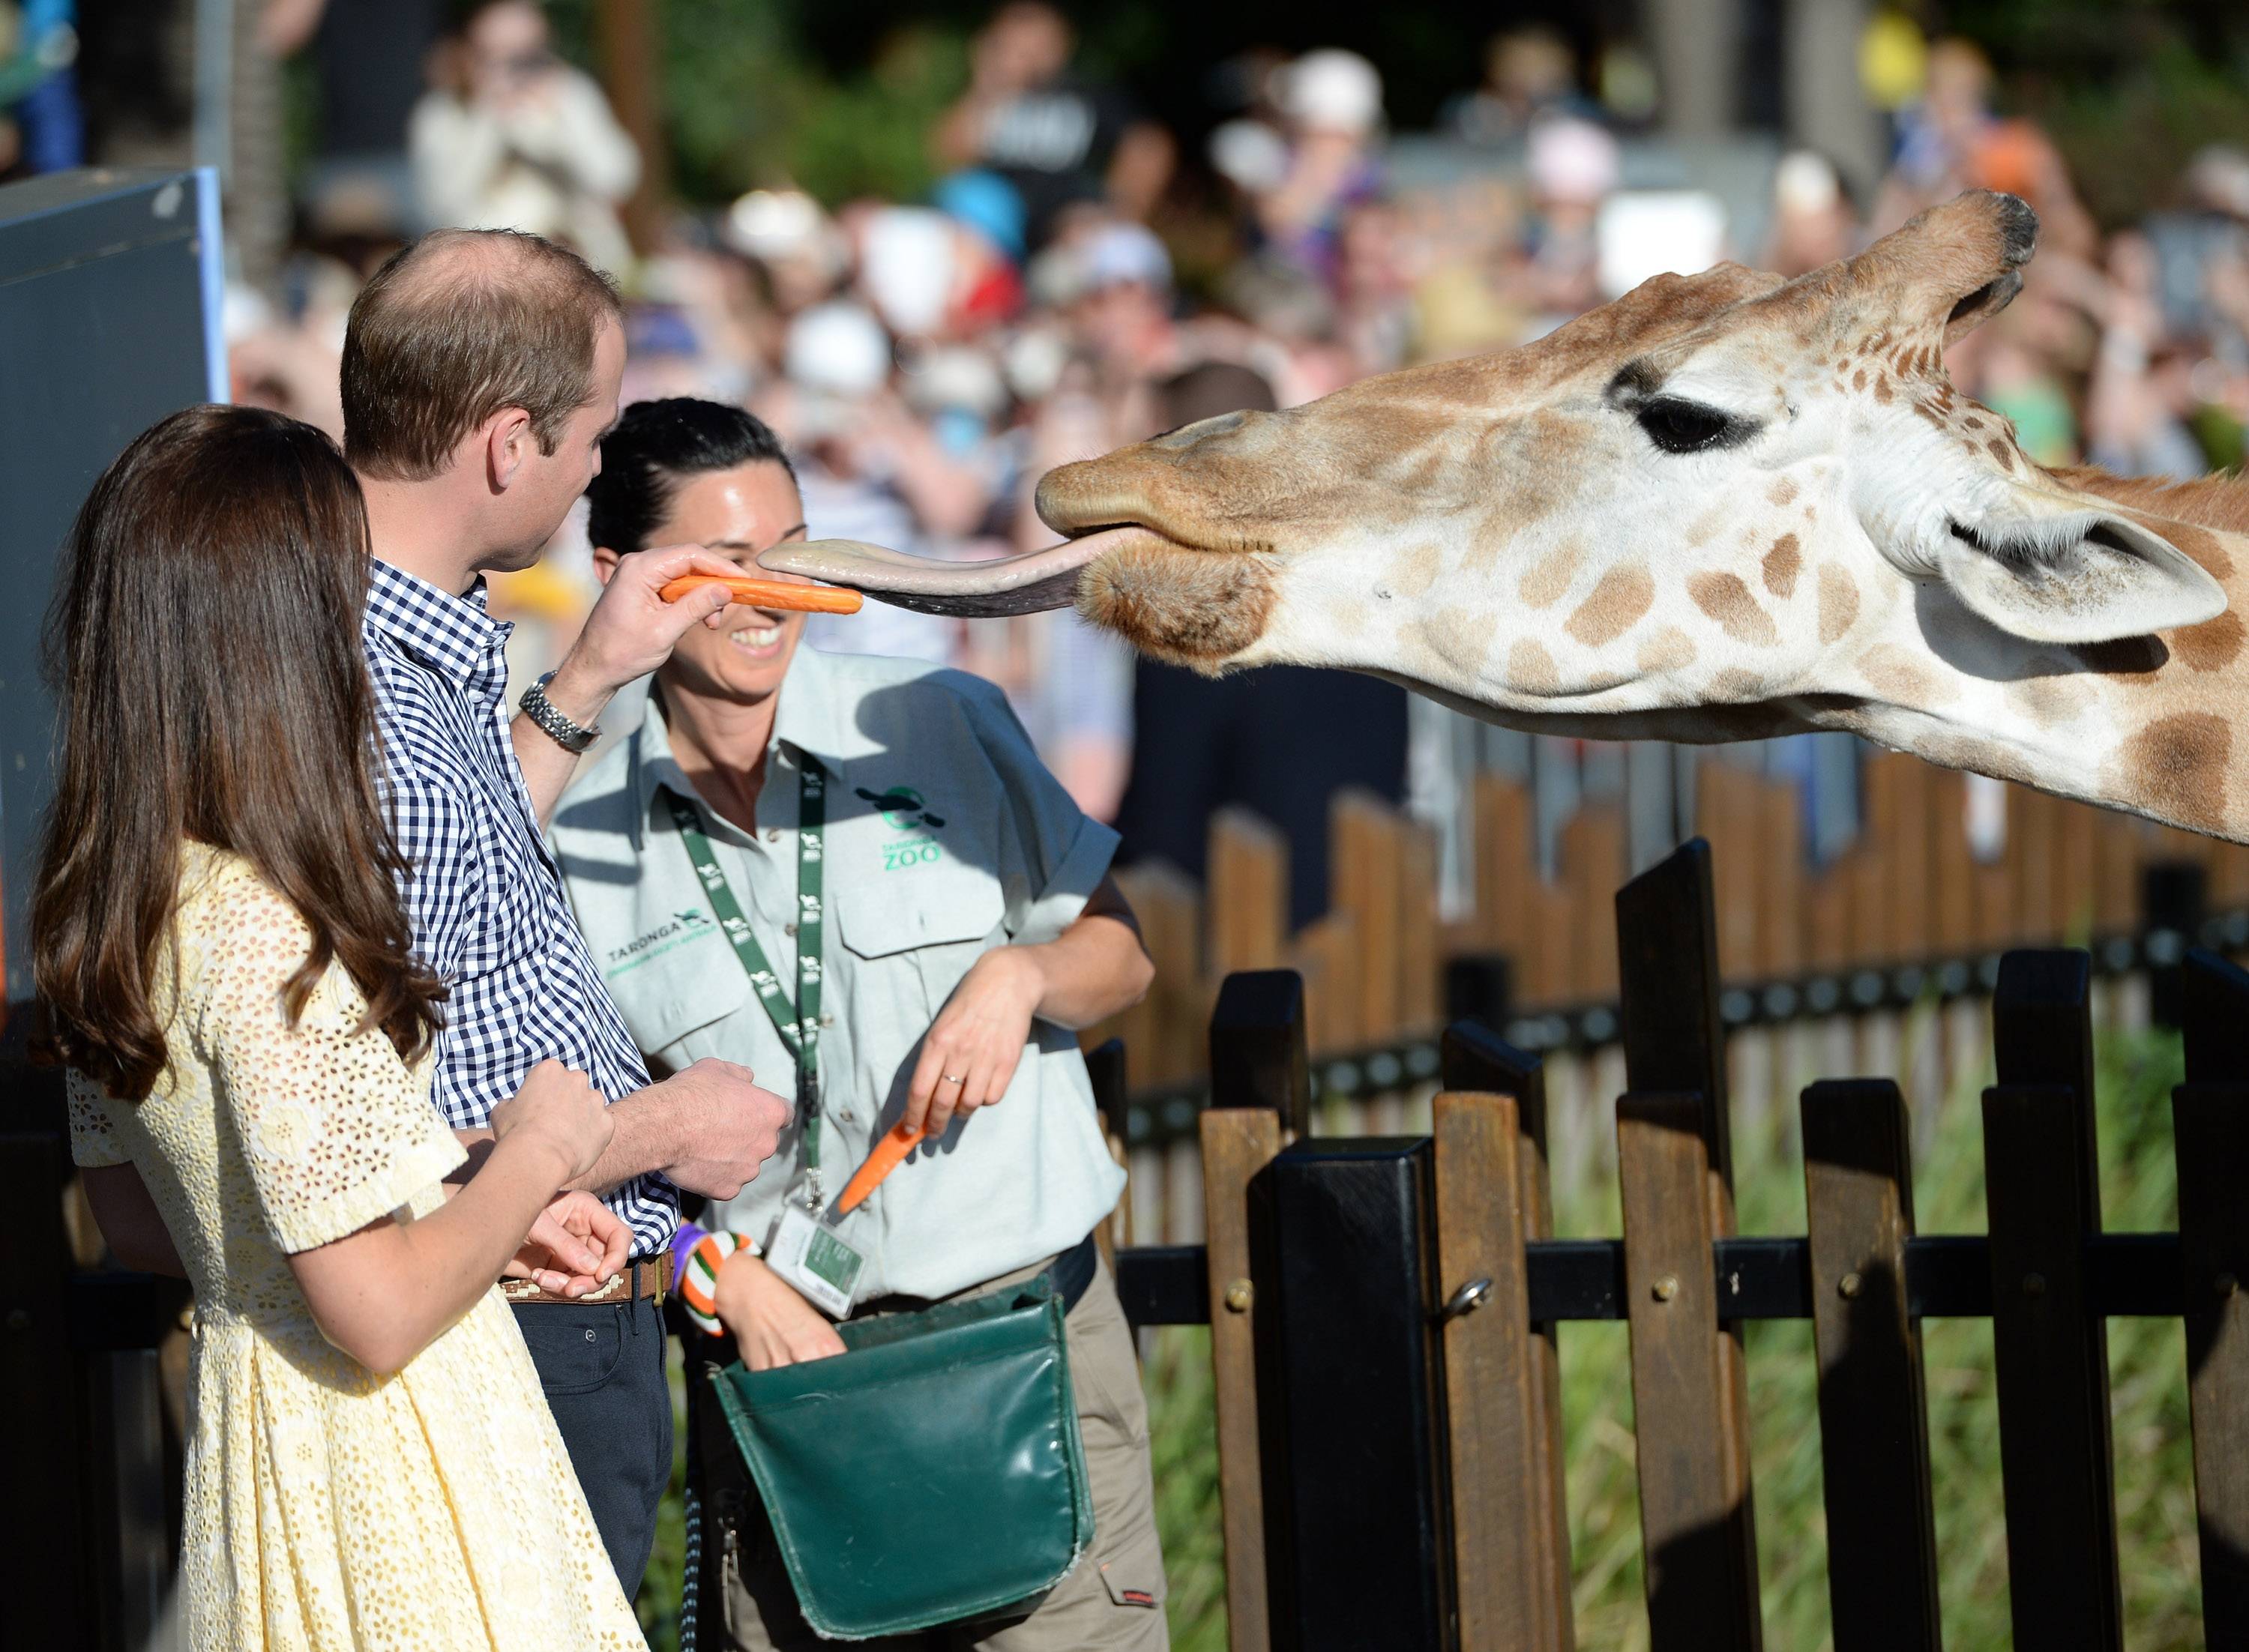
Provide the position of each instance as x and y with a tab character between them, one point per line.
684	977
907	872
959	906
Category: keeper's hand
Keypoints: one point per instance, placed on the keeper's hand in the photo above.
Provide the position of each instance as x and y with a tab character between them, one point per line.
974	1045
771	1324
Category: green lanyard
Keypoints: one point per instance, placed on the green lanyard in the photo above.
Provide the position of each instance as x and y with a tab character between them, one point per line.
798	1024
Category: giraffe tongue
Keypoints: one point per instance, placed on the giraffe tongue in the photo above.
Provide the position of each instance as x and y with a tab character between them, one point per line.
1026	584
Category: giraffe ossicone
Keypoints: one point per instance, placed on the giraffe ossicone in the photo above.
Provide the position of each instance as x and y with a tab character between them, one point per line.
1724	505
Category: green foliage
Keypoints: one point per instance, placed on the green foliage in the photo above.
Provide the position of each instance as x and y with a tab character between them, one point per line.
2127	136
1184	1457
658	1600
747	104
869	135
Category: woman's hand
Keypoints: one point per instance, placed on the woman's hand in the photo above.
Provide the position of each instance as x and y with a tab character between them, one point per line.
771	1324
559	1109
969	1057
576	1246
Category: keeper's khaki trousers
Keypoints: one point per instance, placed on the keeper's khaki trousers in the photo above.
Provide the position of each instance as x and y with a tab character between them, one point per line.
1112	1602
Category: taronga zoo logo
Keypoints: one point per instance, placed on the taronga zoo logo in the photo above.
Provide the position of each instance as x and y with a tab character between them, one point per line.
677	931
902	808
903	811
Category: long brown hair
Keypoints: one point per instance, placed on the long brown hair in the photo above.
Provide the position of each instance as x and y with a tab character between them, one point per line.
204	646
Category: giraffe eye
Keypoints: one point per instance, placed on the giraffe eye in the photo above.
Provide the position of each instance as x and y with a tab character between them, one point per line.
1678	426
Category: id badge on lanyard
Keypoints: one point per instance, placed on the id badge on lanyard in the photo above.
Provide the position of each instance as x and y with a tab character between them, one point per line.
805	1251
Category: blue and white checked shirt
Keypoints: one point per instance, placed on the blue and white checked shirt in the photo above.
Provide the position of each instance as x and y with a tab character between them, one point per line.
484	899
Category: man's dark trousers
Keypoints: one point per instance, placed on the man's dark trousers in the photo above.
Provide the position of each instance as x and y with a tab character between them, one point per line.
604	1371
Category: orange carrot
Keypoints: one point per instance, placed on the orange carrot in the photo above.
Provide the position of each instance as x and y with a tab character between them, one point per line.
770	594
886	1158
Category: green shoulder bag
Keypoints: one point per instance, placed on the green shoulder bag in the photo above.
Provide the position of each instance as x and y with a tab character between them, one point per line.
963	1406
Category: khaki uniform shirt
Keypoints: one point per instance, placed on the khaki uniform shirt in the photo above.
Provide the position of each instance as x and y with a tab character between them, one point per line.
946	837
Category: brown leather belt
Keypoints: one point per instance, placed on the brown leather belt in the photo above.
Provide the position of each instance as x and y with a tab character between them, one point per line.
636	1279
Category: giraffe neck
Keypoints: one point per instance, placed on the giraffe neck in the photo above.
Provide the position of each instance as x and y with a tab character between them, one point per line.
2146	724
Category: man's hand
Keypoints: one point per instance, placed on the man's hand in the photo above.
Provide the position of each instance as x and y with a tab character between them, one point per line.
970	1056
632	629
576	1245
630	632
770	1323
726	1127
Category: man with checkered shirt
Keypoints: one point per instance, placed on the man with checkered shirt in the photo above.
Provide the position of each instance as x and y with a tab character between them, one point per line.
480	371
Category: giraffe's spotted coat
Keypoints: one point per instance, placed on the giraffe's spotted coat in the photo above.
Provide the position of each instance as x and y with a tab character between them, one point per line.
1531	668
1667	649
2178	764
2208	646
1613	606
1548	582
1900	678
1781	566
1725	598
1839	601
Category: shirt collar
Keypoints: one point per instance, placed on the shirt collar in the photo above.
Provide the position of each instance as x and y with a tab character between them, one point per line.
804	722
456	635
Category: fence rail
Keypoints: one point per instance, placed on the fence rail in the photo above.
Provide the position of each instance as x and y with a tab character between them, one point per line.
1385	1317
1908	908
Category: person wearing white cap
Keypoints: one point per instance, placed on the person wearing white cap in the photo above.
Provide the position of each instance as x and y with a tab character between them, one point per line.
870	470
1332	100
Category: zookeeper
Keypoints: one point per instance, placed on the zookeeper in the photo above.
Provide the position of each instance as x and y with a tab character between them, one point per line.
966	924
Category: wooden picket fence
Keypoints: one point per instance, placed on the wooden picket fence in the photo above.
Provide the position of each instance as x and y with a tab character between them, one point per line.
1384	1315
1910	887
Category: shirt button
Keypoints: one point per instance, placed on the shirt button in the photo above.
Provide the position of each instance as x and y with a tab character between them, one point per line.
847	1116
788	928
772	834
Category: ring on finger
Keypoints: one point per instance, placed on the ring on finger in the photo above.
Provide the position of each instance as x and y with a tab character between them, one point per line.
956	1078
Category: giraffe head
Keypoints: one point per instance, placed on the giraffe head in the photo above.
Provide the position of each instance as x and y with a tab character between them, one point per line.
1686	514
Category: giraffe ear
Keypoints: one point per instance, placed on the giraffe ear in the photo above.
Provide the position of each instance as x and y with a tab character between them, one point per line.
2056	573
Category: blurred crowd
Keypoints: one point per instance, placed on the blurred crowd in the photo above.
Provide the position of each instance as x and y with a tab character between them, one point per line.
1079	277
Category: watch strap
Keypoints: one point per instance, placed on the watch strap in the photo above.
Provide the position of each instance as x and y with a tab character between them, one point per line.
572	737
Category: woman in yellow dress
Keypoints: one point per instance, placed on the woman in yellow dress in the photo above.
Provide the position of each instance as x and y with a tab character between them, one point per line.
221	946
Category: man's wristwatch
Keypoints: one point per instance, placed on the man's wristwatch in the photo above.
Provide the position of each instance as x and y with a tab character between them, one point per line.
572	737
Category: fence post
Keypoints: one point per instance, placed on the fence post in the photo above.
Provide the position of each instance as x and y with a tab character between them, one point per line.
1246	892
2050	1346
1366	873
1358	1389
2211	1125
1260	1076
2173	895
1675	1165
1502	1383
1874	1410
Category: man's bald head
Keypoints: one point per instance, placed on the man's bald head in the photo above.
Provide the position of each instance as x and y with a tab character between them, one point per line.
454	328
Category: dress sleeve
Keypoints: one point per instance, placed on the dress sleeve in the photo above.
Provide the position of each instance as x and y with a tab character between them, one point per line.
336	1130
93	1145
1053	854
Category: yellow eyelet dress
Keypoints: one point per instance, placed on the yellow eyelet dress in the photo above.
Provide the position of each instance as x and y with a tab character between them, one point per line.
327	1507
